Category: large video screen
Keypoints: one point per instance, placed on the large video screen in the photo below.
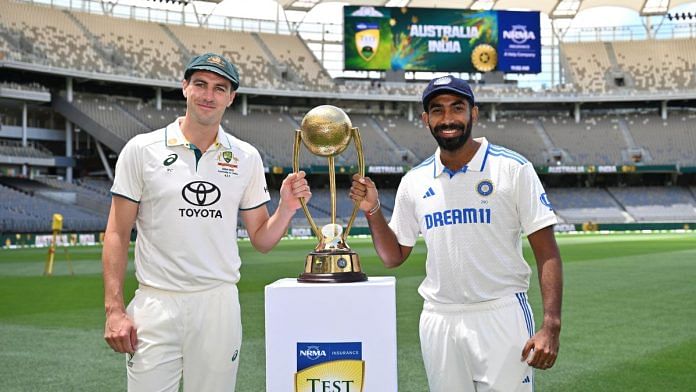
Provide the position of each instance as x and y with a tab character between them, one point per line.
454	40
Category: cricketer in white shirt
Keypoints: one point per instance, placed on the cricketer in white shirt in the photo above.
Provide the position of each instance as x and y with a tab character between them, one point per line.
472	222
472	201
174	190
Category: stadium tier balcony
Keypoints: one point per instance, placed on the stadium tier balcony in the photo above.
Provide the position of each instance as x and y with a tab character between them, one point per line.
52	39
141	47
15	149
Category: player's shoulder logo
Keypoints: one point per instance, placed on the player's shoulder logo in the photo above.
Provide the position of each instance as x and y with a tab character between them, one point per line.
484	188
544	199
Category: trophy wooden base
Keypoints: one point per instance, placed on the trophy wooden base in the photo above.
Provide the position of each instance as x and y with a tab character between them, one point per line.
332	267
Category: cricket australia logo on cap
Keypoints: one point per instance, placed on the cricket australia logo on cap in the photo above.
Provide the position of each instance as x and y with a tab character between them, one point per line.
484	188
442	81
215	60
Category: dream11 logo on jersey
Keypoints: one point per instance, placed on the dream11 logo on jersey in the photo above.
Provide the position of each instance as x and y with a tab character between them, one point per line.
201	194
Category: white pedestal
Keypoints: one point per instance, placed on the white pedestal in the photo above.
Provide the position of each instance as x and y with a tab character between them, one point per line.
308	323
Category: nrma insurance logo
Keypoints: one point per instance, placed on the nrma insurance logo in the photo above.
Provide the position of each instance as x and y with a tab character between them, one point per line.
329	367
519	34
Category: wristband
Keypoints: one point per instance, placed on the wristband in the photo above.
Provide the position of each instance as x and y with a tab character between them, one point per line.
374	209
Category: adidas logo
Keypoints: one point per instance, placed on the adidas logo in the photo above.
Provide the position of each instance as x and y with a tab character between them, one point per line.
526	380
429	193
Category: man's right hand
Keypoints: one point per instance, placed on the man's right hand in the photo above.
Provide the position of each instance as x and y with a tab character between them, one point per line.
120	332
364	191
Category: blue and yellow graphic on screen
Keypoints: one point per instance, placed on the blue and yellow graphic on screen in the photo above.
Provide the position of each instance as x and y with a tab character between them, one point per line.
329	367
455	40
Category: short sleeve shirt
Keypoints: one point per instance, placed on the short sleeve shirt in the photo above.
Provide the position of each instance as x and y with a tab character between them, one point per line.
188	207
472	222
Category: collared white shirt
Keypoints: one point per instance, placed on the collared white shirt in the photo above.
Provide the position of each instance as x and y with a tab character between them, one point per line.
187	214
472	222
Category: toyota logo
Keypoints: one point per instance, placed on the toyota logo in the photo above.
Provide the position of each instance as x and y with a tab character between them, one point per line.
201	193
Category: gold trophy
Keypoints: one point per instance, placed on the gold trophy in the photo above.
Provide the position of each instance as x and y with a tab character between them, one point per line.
326	131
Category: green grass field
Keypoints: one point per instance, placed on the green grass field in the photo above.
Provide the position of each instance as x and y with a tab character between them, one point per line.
629	316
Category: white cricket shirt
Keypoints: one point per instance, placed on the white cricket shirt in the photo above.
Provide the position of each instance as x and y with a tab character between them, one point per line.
472	222
187	217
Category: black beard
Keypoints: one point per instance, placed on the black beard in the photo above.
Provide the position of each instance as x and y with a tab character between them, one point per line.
452	144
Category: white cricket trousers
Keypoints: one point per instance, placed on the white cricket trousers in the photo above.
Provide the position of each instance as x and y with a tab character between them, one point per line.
195	336
477	347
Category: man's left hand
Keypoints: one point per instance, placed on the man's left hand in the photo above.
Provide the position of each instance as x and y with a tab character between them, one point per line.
545	344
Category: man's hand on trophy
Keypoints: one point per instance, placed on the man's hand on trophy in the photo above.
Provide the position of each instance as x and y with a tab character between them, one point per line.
294	186
365	191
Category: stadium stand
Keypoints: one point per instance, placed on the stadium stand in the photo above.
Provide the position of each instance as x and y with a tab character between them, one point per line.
588	64
579	205
658	65
23	213
139	48
15	149
89	197
109	114
412	136
595	140
667	141
293	54
378	146
272	133
241	48
657	204
149	115
651	65
53	39
517	133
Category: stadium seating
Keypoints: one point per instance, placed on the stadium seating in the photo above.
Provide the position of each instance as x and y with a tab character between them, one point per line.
411	135
94	198
23	213
53	39
668	141
272	133
580	205
138	48
587	65
14	148
516	133
110	115
291	52
645	65
658	65
657	204
241	48
595	140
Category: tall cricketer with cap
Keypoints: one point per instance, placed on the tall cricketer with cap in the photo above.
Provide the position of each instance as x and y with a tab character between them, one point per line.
183	186
472	201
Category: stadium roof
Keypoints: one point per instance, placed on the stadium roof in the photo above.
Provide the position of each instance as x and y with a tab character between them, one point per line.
554	8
